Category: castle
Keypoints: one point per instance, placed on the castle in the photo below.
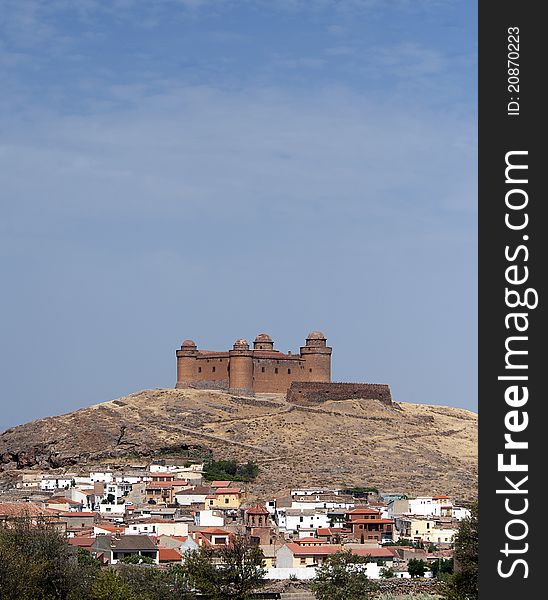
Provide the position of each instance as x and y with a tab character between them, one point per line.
258	370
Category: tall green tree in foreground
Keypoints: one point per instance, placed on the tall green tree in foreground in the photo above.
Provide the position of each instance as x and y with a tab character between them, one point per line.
463	584
36	563
232	573
342	577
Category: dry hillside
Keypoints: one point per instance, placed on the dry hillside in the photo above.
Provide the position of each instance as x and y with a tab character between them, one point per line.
411	448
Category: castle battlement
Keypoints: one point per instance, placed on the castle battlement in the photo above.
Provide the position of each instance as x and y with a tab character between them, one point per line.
261	369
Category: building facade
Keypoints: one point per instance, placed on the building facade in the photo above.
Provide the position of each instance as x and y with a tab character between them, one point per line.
258	370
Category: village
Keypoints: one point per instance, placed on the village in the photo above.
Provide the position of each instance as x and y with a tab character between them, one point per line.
159	511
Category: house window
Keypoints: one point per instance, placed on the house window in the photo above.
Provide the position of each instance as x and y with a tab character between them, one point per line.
226	500
262	369
213	370
310	370
303	561
199	369
289	371
276	370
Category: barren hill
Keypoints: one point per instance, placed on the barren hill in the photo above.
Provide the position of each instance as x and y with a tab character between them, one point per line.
410	448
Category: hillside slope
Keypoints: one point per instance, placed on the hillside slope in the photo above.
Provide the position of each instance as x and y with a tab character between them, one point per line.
411	448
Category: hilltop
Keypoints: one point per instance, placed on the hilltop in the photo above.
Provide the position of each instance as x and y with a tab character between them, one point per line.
411	448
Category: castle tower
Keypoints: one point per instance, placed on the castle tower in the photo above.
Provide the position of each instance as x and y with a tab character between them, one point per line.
187	369
241	368
317	357
263	342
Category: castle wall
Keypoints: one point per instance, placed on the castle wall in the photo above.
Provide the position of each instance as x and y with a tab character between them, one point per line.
276	375
311	393
212	369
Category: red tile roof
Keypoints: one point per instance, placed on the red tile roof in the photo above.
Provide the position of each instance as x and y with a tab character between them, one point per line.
220	484
23	509
62	501
328	531
66	513
169	555
334	548
81	541
257	510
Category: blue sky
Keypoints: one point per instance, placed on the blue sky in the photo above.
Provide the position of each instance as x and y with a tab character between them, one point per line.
214	169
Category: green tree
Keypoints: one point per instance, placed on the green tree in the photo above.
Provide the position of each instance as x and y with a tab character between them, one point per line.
342	577
109	585
416	567
36	563
442	567
85	558
151	583
230	469
463	584
232	573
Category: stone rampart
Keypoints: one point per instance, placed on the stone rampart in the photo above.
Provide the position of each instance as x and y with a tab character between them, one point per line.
312	393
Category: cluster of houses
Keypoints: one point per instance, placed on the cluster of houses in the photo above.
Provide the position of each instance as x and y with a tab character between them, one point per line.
161	511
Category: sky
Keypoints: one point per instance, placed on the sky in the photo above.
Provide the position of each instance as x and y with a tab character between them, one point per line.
213	169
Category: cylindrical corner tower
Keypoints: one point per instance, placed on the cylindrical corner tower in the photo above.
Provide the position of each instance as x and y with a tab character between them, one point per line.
187	369
241	368
317	356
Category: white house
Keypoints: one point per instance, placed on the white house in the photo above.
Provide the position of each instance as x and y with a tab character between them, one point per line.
313	502
459	513
209	518
422	506
301	521
157	527
115	490
196	495
56	483
112	509
101	476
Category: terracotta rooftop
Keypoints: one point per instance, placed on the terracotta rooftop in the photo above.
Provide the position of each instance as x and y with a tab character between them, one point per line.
81	542
214	531
257	510
23	509
169	555
334	548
